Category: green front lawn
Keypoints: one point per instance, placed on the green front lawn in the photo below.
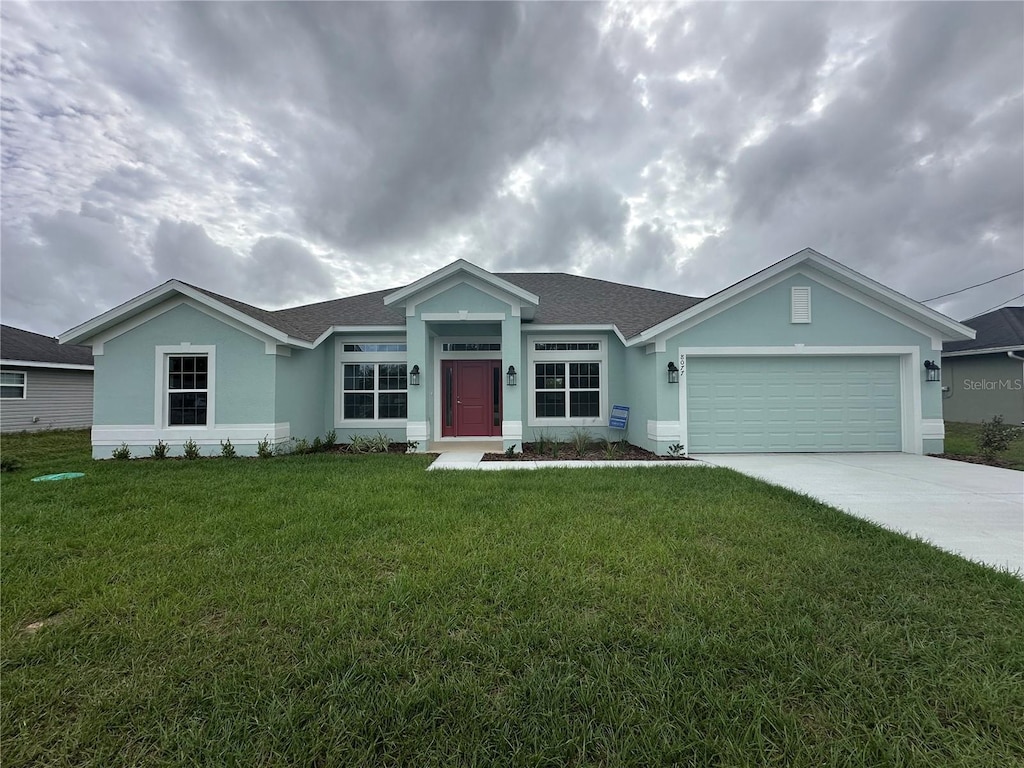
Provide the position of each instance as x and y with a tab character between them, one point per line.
962	440
356	610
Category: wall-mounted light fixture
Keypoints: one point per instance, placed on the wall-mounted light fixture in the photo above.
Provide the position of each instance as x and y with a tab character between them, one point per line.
414	376
934	372
673	373
511	375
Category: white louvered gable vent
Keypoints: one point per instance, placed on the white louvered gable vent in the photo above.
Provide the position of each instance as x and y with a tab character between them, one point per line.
800	305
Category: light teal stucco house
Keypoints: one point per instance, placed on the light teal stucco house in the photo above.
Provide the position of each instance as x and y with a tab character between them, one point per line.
806	355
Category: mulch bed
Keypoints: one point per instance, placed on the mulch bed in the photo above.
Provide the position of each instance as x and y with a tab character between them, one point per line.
566	452
973	460
346	448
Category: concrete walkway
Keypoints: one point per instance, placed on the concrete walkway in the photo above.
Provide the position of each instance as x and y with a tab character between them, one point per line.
969	509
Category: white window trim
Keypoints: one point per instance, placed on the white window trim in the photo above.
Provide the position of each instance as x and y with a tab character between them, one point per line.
24	386
162	372
534	356
367	358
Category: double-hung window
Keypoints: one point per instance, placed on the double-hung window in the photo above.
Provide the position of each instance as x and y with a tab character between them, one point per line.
188	389
374	381
567	382
12	385
375	391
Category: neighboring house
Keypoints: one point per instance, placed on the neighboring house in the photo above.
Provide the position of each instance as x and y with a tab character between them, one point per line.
984	377
43	384
806	355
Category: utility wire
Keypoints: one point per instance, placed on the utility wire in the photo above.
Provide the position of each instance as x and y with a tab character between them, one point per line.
997	306
954	293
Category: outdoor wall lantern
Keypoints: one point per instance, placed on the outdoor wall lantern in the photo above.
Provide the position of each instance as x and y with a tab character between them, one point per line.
510	376
673	373
934	372
414	376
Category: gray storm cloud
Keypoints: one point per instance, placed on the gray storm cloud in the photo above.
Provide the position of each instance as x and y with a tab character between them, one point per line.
291	152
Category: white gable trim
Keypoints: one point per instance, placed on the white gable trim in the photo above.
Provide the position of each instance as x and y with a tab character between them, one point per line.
900	307
984	351
140	318
461	265
113	319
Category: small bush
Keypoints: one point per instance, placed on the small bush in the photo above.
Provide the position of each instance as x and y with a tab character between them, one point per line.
160	451
190	450
995	437
542	441
411	446
510	452
330	439
10	464
380	442
556	448
581	440
301	446
611	450
317	446
123	453
677	451
227	450
264	449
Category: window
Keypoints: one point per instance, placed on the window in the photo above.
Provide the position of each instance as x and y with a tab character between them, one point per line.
567	346
581	390
474	346
374	390
12	385
187	389
375	347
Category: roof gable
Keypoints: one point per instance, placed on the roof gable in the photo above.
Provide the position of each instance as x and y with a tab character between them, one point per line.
480	278
875	294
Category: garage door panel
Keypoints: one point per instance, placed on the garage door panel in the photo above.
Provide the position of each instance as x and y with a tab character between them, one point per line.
786	404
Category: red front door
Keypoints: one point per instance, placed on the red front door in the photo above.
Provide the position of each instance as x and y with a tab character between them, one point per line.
470	398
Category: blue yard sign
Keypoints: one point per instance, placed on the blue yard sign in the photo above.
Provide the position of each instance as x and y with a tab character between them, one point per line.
619	417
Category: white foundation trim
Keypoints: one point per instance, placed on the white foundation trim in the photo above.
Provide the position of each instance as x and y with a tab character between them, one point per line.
133	434
417	430
663	431
933	429
512	430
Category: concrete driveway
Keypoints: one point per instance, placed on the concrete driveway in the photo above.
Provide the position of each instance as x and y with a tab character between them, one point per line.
969	509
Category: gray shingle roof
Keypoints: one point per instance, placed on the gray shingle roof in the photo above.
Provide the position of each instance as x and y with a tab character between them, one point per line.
1002	328
18	344
564	300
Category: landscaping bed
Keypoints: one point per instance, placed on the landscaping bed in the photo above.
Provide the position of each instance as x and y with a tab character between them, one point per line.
621	451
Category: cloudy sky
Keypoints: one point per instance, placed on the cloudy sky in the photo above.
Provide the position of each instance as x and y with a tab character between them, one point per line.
288	153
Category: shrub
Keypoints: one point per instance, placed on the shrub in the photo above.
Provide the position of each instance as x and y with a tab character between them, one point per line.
264	449
556	448
359	443
160	450
581	440
10	464
611	450
330	439
510	452
301	446
227	450
411	446
995	437
190	450
542	440
123	453
381	443
677	451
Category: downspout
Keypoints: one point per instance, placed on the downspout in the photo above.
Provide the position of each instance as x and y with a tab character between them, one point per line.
1013	354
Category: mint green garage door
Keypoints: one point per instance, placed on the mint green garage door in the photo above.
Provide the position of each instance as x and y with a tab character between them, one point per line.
793	404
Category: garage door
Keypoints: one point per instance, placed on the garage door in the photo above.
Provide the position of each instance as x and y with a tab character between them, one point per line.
793	404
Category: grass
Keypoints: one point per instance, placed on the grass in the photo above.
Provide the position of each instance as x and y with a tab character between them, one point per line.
356	610
962	440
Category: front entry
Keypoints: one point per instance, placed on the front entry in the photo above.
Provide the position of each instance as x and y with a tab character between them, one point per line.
470	398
